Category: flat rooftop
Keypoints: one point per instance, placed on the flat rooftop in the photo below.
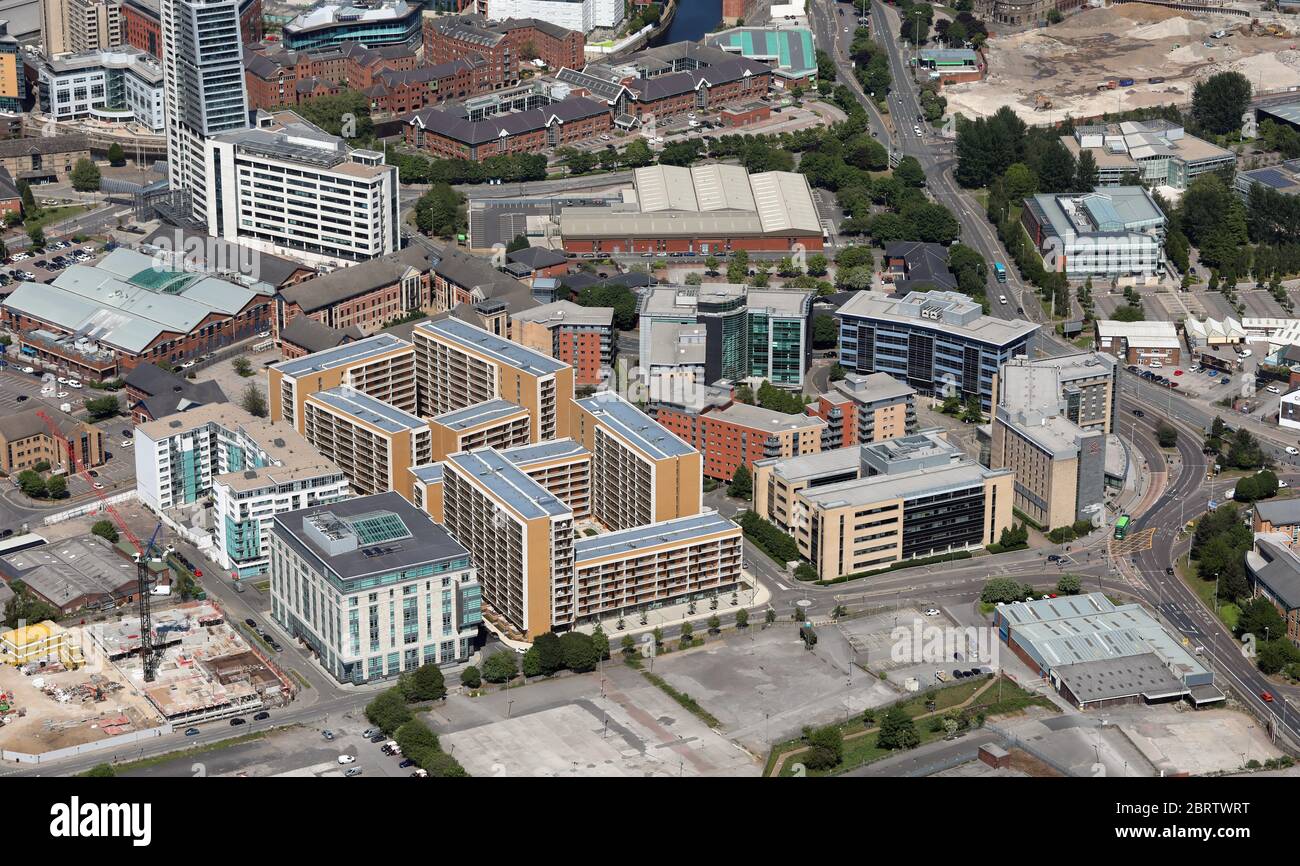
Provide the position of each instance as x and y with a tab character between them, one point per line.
499	349
906	485
873	387
542	452
409	537
683	530
430	473
942	312
509	484
568	313
815	465
478	415
344	356
765	419
363	407
634	426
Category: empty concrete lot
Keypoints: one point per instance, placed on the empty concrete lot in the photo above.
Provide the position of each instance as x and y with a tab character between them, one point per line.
1176	739
566	727
765	686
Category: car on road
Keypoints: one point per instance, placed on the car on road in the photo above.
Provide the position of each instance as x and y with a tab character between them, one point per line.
238	720
932	611
1292	450
327	734
97	486
251	623
347	759
191	732
1169	570
353	771
29	370
1266	697
262	716
1055	557
63	394
1139	413
1002	299
1273	389
275	646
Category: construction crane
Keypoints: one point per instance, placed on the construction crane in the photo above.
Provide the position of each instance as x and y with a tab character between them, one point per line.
149	655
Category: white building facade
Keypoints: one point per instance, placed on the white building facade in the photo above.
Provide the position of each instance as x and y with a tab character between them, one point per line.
580	15
118	85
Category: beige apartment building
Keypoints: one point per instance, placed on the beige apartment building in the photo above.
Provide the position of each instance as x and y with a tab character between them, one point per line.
562	466
381	366
75	26
494	423
426	489
520	537
459	365
863	408
640	472
375	444
690	558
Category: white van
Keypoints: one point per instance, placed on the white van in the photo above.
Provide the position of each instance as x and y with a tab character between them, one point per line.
1155	365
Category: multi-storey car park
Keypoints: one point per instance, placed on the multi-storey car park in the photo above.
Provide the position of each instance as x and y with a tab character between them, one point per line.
374	587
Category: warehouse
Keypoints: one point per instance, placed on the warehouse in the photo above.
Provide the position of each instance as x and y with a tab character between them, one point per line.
705	210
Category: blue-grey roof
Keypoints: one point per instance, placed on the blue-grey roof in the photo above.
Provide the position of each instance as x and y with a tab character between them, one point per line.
478	414
554	449
679	531
636	427
509	484
498	348
362	406
345	355
430	473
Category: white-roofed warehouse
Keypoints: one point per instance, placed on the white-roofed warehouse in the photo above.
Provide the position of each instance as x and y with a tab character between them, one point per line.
706	209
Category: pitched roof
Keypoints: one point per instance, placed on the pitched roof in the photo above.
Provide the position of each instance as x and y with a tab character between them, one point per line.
307	333
329	289
451	122
538	257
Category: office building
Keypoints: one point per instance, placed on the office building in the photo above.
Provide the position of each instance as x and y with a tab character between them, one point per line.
951	65
578	335
730	434
1283	178
371	22
1082	385
142	24
1154	152
1139	342
285	474
366	296
381	366
763	333
153	393
527	119
373	442
580	15
519	536
459	365
288	187
861	409
493	423
374	587
1059	467
640	472
110	85
912	497
26	439
1097	654
687	559
939	343
1274	570
179	458
203	78
704	210
504	46
1117	232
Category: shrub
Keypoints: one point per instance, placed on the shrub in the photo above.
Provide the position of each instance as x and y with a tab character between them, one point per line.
470	677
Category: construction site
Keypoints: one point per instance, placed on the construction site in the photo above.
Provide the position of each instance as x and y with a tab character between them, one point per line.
1119	58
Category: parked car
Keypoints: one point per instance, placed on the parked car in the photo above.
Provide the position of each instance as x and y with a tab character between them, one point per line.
370	732
352	771
1139	413
347	759
251	623
262	716
327	734
191	732
238	720
406	763
932	611
377	738
1292	450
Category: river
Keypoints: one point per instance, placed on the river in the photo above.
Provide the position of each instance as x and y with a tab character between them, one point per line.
694	18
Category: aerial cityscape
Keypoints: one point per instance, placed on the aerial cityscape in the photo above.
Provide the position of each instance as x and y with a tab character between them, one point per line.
650	388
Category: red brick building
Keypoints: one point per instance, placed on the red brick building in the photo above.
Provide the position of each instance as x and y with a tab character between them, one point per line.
737	434
446	133
277	77
746	115
365	296
580	336
405	91
505	45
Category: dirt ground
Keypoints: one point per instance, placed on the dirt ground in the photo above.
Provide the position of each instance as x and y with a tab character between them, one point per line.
50	724
1066	62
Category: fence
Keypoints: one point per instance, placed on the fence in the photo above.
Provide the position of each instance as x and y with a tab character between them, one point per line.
120	741
88	508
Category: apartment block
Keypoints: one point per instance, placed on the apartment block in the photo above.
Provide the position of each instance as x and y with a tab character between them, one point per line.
915	496
287	474
733	434
562	466
778	479
459	365
865	408
381	366
690	558
25	440
374	443
426	489
1083	385
578	335
374	587
493	423
520	537
641	472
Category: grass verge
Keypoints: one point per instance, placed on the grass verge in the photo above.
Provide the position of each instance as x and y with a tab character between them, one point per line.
155	760
684	699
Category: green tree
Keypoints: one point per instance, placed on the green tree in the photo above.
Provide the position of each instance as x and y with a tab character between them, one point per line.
580	654
243	366
742	484
742	618
427	684
1020	182
85	176
550	653
532	663
1244	451
897	731
519	243
738	267
36	235
28	198
1261	619
106	530
388	711
440	211
825	748
56	487
600	641
826	331
638	154
688	634
116	155
470	677
1166	435
500	666
1220	101
26	608
253	401
1003	589
909	171
31	484
1069	585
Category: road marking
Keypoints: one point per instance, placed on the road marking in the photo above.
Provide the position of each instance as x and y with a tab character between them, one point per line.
782	586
